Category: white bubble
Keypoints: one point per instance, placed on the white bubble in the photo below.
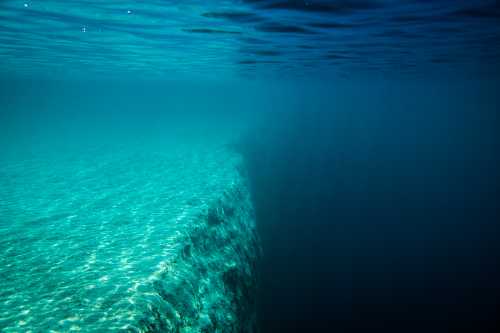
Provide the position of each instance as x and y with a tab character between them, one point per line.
26	5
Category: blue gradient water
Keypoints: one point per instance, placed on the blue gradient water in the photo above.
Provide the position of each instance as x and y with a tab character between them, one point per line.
368	128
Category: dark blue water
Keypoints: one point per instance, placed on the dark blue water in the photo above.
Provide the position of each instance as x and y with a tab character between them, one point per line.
368	129
382	213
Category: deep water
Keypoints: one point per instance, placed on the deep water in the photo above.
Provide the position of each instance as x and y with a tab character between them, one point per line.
378	209
249	166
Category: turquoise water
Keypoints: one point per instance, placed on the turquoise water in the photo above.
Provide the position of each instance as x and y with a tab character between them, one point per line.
150	149
85	235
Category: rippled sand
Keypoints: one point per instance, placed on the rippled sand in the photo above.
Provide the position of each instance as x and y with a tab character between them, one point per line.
84	236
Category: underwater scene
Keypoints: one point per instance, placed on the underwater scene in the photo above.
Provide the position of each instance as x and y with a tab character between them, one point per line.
249	166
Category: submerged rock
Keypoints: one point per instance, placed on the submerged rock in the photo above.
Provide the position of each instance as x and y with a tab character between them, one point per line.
217	288
128	241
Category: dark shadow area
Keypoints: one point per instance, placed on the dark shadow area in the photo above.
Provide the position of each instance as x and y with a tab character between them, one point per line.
379	220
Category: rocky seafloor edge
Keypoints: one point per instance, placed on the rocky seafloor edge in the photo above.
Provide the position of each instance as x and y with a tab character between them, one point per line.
211	284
